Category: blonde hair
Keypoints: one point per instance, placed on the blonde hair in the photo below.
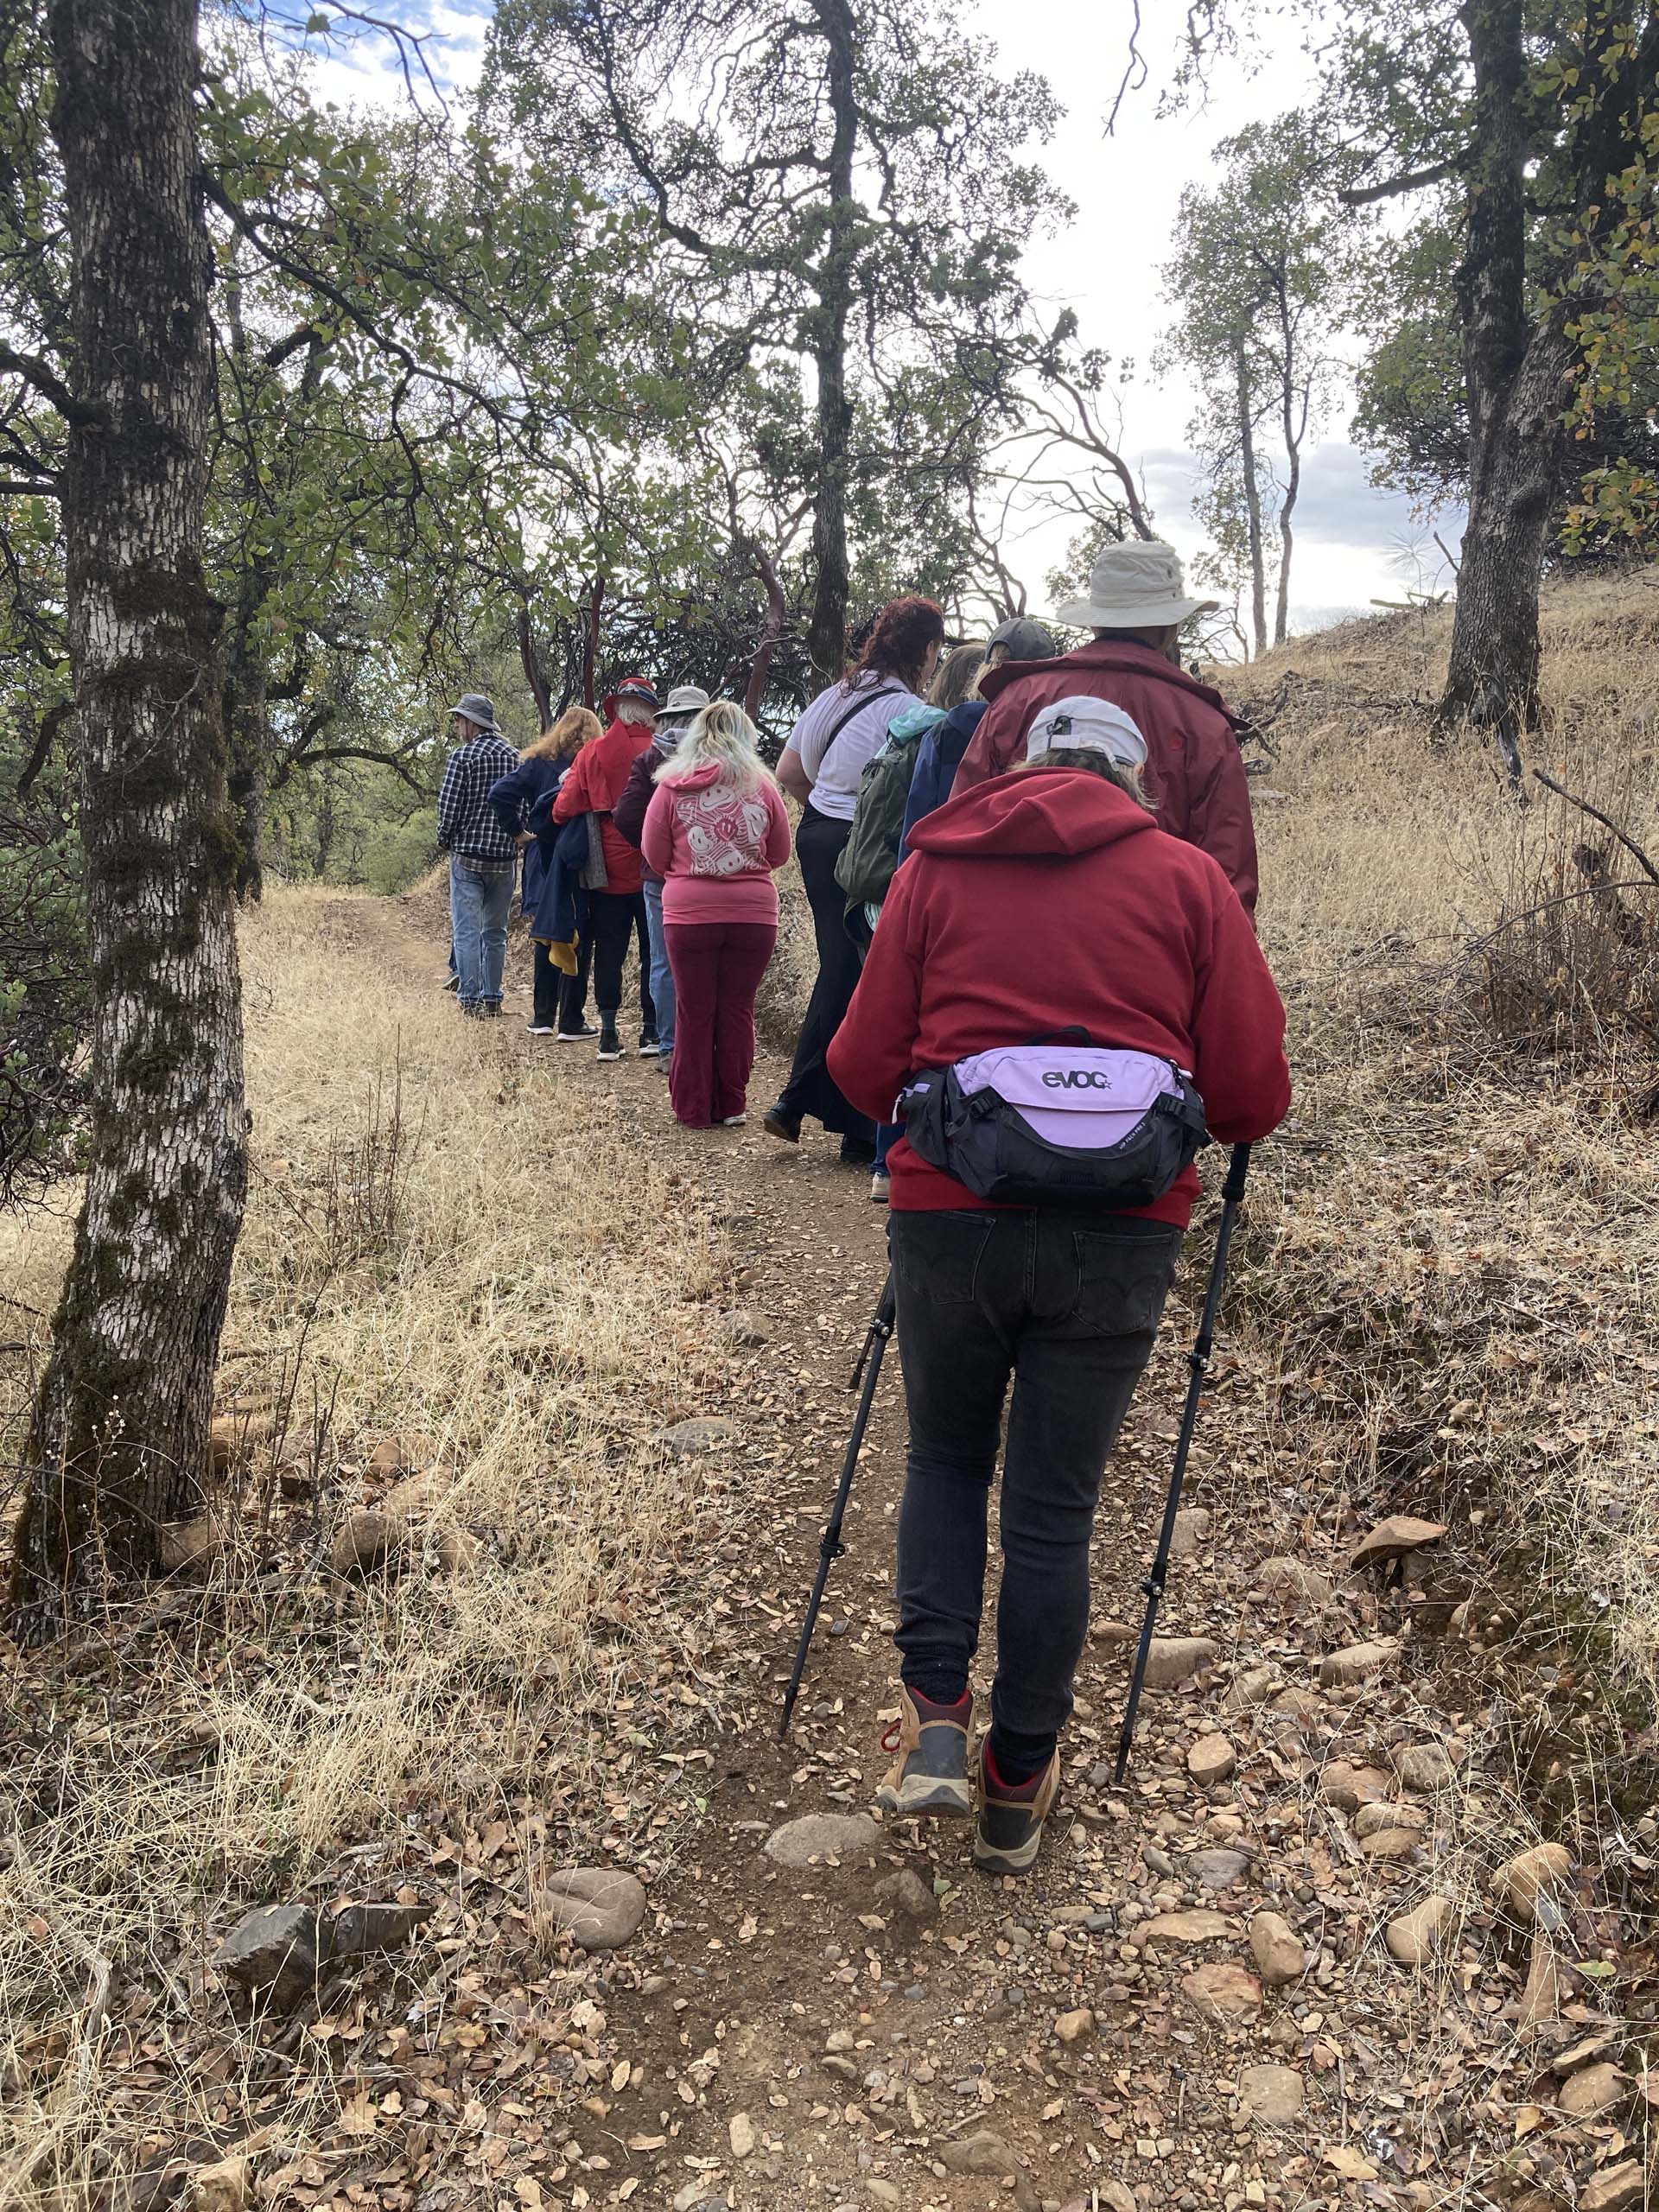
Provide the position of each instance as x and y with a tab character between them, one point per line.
577	727
722	737
957	676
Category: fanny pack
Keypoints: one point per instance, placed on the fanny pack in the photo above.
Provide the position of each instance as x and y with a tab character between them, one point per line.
1057	1122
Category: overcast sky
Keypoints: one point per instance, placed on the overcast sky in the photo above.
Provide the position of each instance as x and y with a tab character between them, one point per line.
1351	540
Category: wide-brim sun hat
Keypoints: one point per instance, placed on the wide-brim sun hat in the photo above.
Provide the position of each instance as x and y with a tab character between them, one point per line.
1137	585
683	702
476	709
639	689
1081	724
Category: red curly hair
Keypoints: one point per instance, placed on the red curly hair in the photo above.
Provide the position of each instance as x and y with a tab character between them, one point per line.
899	642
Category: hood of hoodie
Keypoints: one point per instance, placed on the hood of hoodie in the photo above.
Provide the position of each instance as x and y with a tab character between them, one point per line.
912	722
1035	812
1103	652
699	779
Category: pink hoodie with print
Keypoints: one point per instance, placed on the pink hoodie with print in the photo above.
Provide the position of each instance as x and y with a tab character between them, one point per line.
715	848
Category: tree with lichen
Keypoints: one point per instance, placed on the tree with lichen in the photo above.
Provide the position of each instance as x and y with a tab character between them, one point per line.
118	1441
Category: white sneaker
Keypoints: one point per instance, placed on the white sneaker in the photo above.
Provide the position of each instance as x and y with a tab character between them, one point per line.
733	1121
880	1187
540	1029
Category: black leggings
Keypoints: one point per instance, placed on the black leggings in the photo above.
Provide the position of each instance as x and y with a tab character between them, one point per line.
615	919
810	1087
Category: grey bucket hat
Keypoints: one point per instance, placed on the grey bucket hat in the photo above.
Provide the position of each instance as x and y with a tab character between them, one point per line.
476	709
685	700
1024	639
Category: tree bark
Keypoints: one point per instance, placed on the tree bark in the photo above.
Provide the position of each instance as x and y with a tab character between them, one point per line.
118	1441
1252	501
826	636
1294	423
773	630
247	728
530	659
1512	378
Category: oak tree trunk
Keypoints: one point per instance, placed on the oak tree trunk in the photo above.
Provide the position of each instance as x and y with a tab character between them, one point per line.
772	631
118	1440
1252	500
826	636
1513	381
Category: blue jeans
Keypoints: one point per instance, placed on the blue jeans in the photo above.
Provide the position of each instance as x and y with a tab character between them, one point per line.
662	976
481	892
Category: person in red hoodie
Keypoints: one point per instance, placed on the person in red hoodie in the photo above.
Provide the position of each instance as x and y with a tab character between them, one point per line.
715	832
1046	901
1136	604
594	786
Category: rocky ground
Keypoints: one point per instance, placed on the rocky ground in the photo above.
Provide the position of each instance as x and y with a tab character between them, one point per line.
1310	1953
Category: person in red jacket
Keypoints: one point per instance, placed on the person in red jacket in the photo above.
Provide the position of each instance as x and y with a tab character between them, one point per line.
1043	900
617	913
1136	604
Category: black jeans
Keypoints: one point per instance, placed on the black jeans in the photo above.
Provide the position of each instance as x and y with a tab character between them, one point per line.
615	919
810	1087
573	989
1066	1304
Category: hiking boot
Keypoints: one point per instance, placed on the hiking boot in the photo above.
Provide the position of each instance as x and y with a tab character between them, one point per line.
930	1774
610	1045
1011	1816
777	1123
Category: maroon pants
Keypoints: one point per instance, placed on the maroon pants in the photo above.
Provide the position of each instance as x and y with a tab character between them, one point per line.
717	970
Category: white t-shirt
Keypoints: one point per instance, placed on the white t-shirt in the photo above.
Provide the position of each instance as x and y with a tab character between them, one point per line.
833	770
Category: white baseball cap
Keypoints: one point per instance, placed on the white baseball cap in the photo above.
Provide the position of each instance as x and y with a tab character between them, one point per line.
1083	724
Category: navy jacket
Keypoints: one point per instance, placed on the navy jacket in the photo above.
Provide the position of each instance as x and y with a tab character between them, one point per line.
511	798
937	758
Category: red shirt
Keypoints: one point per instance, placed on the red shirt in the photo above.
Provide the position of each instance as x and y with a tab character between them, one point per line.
594	784
1193	767
1050	899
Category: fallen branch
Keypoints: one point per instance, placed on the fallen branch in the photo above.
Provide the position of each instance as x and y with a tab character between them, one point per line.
1596	814
1567	898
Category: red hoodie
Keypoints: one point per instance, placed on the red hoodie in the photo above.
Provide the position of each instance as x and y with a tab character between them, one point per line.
1193	767
1047	898
596	782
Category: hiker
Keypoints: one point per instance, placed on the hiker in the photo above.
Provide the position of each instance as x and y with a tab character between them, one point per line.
822	760
1137	602
686	702
482	856
940	754
871	853
616	912
523	805
715	832
1047	901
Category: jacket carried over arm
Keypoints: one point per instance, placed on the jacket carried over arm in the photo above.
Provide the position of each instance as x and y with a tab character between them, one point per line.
1050	900
1194	770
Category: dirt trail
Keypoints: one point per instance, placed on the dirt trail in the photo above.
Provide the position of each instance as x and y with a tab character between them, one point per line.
832	2036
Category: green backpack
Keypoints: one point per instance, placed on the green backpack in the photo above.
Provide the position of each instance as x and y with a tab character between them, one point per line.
871	853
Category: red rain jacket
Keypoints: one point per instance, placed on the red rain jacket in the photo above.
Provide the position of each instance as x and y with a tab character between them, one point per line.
1047	898
597	778
1193	767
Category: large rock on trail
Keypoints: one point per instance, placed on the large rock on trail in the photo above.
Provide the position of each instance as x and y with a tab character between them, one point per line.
1294	1584
1416	1935
596	1906
1520	1881
1425	1767
1349	1787
1277	1950
1191	1532
1173	1661
274	1954
1356	1661
1201	1925
1616	2189
1393	1538
985	2154
1273	2095
1592	2090
823	1835
1211	1760
1223	1992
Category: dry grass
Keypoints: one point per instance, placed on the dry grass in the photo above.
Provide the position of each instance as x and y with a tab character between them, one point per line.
439	1242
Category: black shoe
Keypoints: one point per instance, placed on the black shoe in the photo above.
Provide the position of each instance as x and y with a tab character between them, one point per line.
777	1123
575	1036
649	1041
610	1045
855	1153
490	1008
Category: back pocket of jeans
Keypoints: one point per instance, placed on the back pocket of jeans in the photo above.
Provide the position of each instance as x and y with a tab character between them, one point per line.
1122	1280
938	1254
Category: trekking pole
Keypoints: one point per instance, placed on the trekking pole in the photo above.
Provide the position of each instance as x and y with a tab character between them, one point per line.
1198	1360
868	1370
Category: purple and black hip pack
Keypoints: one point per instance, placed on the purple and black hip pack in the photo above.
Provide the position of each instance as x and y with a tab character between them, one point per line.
1057	1122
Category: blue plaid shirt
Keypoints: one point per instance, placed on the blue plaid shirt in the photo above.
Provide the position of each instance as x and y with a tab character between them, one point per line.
467	822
